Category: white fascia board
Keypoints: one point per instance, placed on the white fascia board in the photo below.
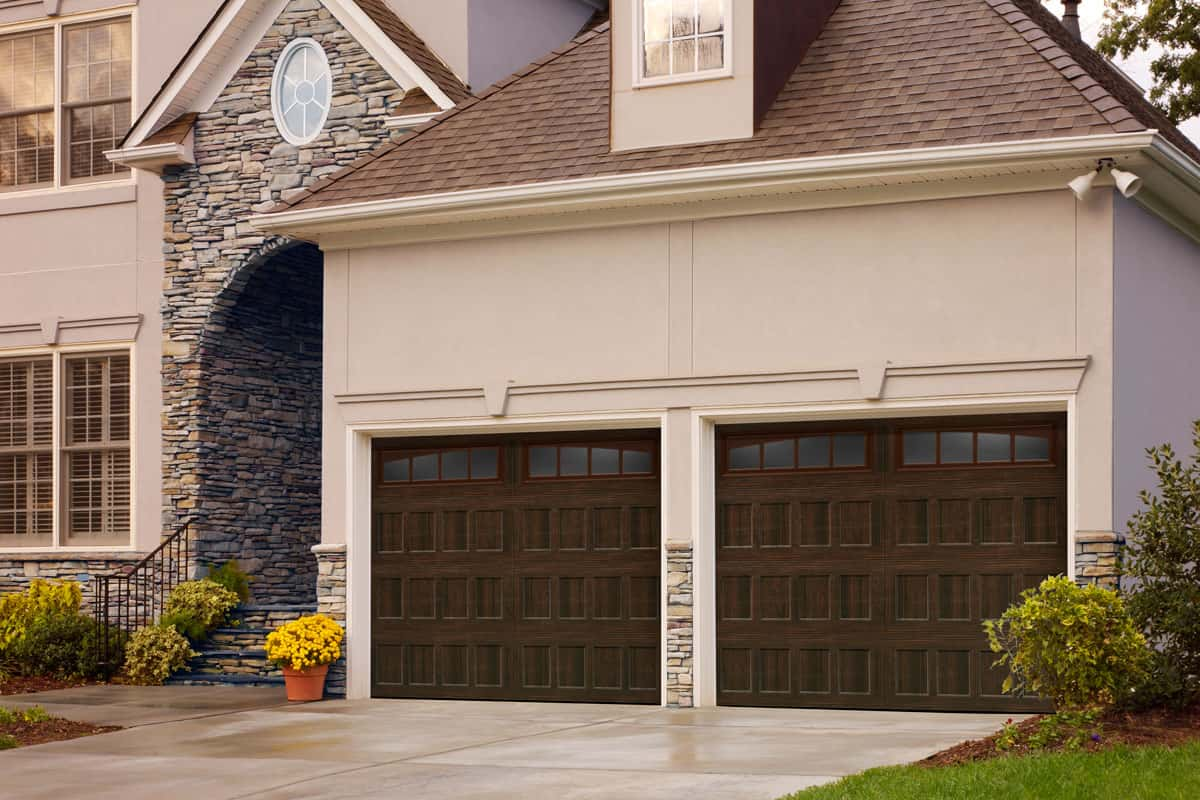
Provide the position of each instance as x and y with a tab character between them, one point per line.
389	55
150	118
699	183
153	157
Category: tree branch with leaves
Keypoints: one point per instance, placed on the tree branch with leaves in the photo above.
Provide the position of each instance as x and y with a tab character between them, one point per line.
1174	26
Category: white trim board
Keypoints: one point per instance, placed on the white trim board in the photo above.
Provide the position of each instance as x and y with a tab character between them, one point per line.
739	188
230	38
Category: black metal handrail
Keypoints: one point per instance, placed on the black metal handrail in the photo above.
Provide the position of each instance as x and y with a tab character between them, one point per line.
136	596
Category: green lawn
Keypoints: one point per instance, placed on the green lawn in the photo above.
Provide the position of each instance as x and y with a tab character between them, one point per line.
1124	774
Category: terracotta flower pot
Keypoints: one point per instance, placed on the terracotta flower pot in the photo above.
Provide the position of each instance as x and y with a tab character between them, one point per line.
304	686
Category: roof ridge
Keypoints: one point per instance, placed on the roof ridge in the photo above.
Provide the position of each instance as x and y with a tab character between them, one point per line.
1045	33
471	101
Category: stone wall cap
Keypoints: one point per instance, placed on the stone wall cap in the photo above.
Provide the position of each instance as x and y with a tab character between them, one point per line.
328	549
71	555
1098	536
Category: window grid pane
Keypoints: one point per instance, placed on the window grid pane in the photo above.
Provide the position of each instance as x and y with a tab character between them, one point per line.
26	457
822	451
986	448
98	77
570	462
682	36
452	465
96	432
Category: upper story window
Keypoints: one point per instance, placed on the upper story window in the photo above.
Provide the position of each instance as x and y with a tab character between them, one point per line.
65	451
65	99
683	39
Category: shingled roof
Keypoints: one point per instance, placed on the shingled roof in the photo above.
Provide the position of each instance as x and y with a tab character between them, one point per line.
884	75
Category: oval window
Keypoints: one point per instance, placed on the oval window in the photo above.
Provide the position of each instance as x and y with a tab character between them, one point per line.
301	91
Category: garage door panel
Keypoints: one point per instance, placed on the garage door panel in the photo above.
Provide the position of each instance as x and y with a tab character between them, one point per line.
867	588
515	587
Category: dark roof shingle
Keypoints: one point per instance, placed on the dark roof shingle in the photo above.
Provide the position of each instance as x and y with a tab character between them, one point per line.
883	75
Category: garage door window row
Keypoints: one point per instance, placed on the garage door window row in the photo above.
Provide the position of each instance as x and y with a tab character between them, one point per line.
964	448
795	453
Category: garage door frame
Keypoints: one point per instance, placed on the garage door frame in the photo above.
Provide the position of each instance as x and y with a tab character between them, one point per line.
355	466
702	432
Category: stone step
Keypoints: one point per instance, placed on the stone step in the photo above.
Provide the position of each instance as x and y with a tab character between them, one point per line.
270	616
238	638
204	679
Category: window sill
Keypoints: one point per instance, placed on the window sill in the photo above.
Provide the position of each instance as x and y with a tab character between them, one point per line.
678	80
82	196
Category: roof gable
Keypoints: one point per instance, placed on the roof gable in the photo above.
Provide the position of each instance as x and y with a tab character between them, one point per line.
884	75
237	27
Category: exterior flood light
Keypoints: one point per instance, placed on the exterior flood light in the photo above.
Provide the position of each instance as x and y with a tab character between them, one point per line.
1127	183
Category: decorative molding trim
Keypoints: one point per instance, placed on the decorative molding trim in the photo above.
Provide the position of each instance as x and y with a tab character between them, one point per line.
52	330
154	157
328	549
406	123
1069	364
83	196
871	378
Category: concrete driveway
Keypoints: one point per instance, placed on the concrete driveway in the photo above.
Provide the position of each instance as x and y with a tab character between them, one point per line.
197	742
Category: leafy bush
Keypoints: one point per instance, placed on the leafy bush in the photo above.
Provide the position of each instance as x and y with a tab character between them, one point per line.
231	576
7	742
306	642
154	653
1076	646
7	716
42	599
35	715
44	633
204	601
187	624
1163	561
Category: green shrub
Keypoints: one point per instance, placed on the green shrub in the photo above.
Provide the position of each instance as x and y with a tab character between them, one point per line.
1076	646
42	599
7	716
231	576
35	715
44	633
154	653
203	600
7	742
1163	561
187	624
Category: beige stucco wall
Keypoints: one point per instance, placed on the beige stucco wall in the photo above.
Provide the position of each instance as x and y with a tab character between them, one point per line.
762	311
94	253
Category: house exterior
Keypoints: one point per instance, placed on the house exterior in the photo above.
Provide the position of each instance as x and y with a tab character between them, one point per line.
732	354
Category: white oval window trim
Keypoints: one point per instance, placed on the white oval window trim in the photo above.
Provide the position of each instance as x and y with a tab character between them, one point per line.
301	91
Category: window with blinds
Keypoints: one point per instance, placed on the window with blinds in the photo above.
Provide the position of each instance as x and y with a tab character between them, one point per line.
65	99
96	449
27	452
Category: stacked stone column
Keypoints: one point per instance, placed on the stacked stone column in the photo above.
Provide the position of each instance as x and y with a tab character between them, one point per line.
331	601
1098	558
680	637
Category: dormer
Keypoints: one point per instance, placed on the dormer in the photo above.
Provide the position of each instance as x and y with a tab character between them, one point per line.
694	71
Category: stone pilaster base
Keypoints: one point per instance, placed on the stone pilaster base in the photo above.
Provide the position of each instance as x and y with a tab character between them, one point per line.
331	601
680	649
1098	558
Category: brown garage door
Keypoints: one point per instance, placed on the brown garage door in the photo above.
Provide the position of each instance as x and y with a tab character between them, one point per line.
856	562
517	568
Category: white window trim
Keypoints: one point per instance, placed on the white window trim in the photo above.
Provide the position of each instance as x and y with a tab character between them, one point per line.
277	112
59	354
60	183
640	81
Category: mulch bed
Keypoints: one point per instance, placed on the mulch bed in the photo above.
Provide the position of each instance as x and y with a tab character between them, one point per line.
1154	727
53	730
11	686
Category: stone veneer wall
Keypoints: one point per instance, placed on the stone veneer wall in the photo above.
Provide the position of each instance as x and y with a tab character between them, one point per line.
241	448
679	645
18	571
1098	558
331	600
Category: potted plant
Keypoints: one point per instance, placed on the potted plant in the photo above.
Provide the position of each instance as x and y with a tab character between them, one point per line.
304	649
